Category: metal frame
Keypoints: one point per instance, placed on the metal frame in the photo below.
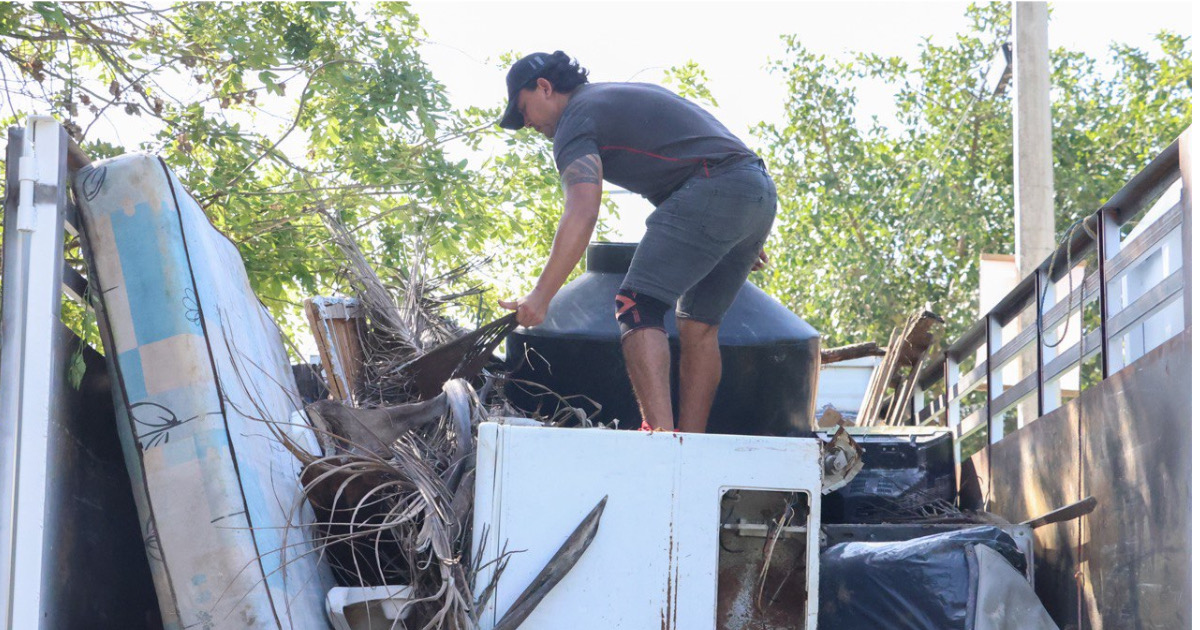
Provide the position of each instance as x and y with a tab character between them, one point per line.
1114	260
29	374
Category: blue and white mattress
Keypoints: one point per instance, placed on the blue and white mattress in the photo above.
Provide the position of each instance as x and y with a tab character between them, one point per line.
201	382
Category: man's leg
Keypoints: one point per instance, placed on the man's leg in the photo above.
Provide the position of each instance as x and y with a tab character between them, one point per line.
648	359
699	373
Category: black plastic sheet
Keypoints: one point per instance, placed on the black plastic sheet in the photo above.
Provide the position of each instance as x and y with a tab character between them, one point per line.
925	583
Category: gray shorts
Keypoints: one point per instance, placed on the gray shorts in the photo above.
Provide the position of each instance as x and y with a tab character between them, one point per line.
701	242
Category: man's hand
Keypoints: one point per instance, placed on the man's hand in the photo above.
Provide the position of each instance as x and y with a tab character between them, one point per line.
762	260
531	309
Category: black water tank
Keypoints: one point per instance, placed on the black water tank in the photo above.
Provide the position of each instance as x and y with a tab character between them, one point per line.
771	357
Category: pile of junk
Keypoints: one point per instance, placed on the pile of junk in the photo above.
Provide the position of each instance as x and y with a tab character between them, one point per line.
419	478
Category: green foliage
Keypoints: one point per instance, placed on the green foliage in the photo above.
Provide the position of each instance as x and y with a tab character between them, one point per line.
1107	127
269	112
876	221
689	81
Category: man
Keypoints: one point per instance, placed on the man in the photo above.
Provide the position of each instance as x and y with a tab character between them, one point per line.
714	206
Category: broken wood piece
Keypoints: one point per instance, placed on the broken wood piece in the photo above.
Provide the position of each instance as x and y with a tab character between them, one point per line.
906	350
904	391
918	336
850	352
830	417
555	570
1065	513
76	158
335	324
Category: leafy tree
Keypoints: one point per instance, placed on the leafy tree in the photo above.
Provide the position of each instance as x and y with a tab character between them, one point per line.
875	221
269	112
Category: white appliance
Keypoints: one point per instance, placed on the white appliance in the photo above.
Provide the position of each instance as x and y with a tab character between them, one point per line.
682	509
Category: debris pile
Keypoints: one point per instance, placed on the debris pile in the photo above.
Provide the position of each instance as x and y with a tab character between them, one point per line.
394	488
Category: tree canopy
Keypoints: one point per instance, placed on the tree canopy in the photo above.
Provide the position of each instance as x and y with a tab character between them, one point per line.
877	220
273	112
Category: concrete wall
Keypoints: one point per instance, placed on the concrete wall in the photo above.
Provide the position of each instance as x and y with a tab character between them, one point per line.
1136	460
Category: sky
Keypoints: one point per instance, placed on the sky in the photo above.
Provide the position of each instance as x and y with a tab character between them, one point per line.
733	43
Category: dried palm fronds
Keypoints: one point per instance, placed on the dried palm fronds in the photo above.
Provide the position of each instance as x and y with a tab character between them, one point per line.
463	357
393	493
400	515
404	314
555	570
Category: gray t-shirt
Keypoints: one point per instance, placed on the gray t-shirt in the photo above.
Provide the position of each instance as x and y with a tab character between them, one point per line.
650	140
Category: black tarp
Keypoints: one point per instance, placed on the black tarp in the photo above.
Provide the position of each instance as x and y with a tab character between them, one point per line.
926	583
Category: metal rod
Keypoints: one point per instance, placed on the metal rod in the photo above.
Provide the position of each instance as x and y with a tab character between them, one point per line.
1039	282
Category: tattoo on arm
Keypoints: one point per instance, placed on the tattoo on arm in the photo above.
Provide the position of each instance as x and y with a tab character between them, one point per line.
585	170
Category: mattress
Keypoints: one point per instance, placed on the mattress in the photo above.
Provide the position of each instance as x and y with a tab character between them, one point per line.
202	386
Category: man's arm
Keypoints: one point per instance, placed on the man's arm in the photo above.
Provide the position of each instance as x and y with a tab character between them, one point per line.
582	184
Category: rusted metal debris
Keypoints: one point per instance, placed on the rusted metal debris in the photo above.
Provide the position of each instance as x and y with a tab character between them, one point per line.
761	570
841	458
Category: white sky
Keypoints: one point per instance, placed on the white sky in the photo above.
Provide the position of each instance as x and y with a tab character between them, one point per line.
732	42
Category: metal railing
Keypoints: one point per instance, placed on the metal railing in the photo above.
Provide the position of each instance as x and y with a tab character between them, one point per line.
1131	293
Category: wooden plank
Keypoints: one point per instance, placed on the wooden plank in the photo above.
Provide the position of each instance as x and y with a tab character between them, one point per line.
335	326
1147	184
868	411
970	381
907	348
1144	244
972	422
1010	350
75	285
1014	394
899	406
995	384
1055	314
1067	358
932	409
1120	322
1185	170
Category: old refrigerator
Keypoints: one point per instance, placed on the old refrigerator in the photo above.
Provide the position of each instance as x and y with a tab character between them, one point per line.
688	525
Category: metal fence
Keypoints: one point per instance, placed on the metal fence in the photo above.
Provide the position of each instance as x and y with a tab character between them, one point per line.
1117	286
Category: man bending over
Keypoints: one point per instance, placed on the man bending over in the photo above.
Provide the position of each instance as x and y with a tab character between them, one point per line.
714	206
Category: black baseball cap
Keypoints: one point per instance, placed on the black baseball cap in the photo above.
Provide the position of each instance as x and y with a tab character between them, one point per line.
524	71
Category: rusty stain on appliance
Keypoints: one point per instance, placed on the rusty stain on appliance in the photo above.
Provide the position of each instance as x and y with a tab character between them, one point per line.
669	615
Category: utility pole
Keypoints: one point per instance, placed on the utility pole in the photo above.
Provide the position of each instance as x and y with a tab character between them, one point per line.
1033	165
